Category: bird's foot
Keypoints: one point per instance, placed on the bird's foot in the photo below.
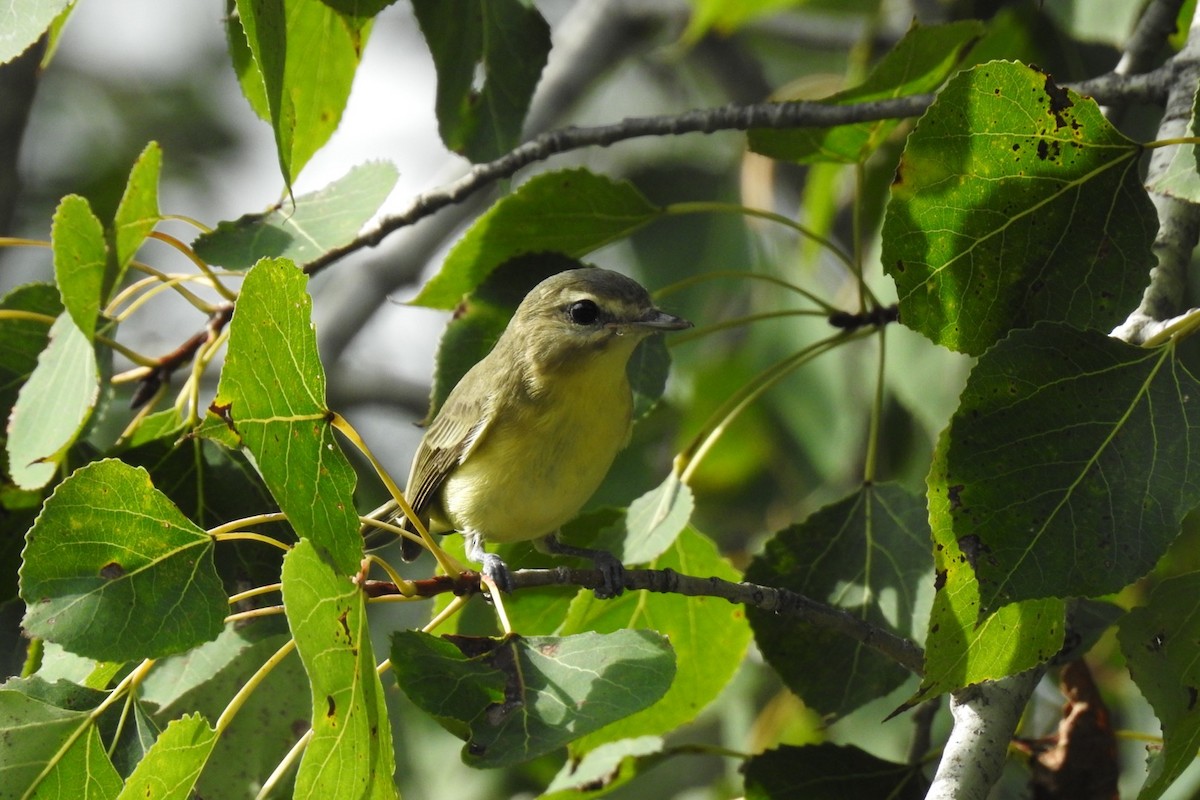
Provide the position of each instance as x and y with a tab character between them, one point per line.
491	565
612	571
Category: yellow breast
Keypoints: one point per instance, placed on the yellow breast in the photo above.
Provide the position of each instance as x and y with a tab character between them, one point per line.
541	459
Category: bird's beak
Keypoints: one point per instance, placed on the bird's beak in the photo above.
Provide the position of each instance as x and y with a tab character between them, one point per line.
661	321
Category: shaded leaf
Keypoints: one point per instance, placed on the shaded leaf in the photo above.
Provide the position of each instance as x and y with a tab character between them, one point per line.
918	63
21	340
110	546
350	753
829	772
315	224
272	394
516	698
35	729
691	624
572	212
1068	468
959	649
489	56
53	405
1015	201
867	554
204	679
1159	644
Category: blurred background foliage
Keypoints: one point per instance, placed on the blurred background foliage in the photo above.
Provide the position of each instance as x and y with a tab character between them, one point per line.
129	72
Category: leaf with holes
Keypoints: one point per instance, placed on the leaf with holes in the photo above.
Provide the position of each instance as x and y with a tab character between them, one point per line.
1015	201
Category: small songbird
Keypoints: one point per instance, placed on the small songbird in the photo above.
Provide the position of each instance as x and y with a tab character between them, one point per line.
528	434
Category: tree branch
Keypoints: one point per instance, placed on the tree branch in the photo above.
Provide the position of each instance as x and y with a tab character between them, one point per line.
668	581
1178	220
781	116
985	717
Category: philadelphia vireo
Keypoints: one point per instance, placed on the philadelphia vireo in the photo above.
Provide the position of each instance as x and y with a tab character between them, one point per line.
528	434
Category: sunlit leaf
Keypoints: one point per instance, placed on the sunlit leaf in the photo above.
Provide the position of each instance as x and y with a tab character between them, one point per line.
80	259
1015	201
22	340
655	519
24	23
272	394
572	212
489	56
307	54
606	768
516	698
171	766
1181	178
138	212
316	223
53	405
110	546
350	754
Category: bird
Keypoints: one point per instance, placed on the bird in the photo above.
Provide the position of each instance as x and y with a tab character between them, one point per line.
525	438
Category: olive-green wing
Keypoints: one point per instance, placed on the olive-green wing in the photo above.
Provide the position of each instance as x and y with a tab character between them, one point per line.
456	429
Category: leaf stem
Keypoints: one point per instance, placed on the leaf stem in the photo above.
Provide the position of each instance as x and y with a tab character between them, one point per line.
873	427
710	206
250	685
705	330
757	276
258	519
247	536
201	265
444	559
690	457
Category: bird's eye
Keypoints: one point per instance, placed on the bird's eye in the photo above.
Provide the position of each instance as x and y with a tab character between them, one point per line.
583	312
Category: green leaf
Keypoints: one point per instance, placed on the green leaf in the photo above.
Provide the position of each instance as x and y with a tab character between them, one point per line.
137	213
80	258
648	369
110	546
272	394
1068	469
572	212
1015	201
315	224
960	649
34	731
250	77
830	772
691	624
516	698
1159	644
489	57
726	16
1181	178
171	766
53	405
867	554
307	54
21	340
350	753
655	519
204	679
605	769
24	23
918	63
